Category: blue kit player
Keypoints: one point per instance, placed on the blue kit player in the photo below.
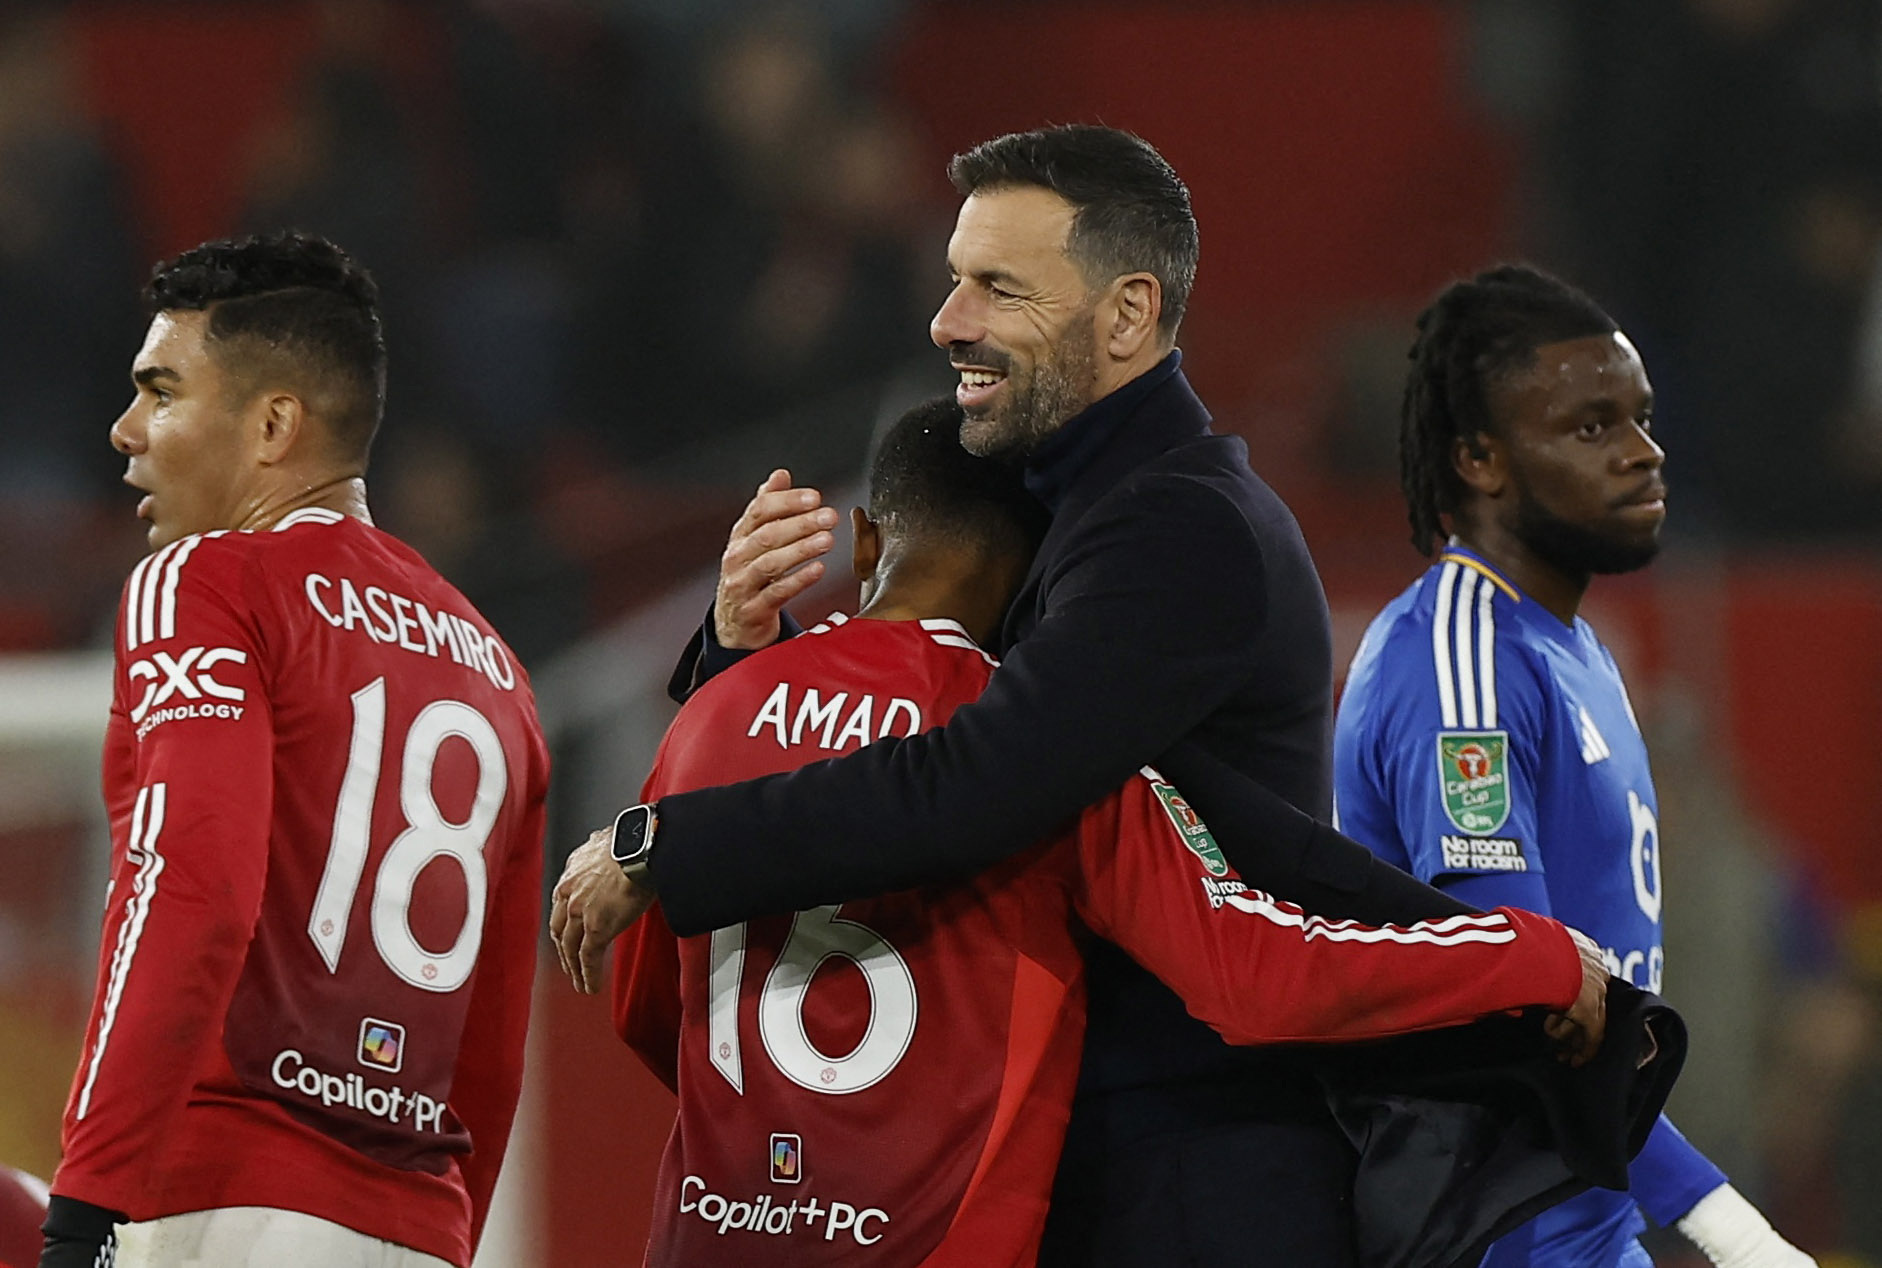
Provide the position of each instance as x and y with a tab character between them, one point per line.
1485	742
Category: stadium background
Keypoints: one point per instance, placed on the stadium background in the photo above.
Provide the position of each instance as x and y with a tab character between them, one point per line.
637	252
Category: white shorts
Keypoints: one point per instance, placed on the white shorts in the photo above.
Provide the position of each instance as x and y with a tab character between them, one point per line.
258	1237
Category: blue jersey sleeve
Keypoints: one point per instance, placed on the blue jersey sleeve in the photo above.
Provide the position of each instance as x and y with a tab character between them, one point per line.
1670	1176
1456	745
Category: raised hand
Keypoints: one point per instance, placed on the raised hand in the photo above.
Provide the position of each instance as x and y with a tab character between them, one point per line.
771	557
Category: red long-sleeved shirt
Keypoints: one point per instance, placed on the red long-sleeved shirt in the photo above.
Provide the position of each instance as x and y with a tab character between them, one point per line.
325	780
893	1075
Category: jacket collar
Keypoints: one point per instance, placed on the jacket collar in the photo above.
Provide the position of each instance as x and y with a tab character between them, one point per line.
1161	410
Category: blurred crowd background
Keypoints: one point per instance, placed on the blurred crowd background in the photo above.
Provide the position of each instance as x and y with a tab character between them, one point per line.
635	253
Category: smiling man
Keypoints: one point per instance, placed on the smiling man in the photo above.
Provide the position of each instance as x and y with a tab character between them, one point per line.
976	988
1485	741
325	781
1172	617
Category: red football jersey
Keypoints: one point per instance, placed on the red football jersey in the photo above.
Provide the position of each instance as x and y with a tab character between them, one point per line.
325	779
890	1078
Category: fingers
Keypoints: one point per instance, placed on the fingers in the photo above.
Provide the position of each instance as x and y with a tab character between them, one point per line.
766	602
567	911
568	945
769	552
558	921
1570	1039
775	500
1578	1033
770	558
594	949
778	481
1593	1031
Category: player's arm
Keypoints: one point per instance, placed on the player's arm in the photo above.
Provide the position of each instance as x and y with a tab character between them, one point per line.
1260	970
187	876
1143	640
488	1077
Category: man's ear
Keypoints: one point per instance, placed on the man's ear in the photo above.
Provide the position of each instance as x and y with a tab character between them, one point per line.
866	548
1130	319
279	422
1481	462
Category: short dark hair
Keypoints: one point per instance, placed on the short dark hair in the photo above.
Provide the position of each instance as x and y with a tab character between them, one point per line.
1473	333
922	482
293	296
1131	211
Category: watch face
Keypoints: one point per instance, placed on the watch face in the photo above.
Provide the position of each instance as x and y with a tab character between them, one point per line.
633	832
630	834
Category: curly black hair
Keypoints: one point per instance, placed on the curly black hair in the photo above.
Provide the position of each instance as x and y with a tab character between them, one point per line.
288	302
1472	333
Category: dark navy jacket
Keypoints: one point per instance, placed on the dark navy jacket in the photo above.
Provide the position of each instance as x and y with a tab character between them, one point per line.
1172	616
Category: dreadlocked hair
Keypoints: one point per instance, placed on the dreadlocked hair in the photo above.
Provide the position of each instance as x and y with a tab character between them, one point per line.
1474	332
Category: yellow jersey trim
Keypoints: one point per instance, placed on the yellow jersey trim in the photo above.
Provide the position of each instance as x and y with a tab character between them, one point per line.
1451	557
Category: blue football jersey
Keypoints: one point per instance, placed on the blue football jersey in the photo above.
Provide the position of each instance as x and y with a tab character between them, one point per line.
1480	736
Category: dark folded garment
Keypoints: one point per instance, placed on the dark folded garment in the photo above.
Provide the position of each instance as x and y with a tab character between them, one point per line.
1466	1133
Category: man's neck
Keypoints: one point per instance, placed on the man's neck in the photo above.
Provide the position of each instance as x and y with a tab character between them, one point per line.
974	595
1558	593
344	493
1113	375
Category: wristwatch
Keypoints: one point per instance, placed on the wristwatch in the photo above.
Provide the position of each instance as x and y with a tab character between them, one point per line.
632	844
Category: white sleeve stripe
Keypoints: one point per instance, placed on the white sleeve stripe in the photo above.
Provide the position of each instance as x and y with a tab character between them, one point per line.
1408	937
1441	646
1489	928
1443	924
1486	653
142	597
1466	659
133	594
153	582
146	826
167	613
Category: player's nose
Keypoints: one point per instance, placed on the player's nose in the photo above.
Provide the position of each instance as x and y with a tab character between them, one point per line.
127	433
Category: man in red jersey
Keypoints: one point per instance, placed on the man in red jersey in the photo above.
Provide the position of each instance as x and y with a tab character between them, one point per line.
325	780
888	1081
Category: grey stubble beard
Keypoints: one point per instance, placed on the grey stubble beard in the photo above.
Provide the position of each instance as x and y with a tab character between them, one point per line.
1058	388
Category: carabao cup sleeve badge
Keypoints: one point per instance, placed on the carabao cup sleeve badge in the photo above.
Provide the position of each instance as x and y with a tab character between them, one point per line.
1190	827
1473	771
